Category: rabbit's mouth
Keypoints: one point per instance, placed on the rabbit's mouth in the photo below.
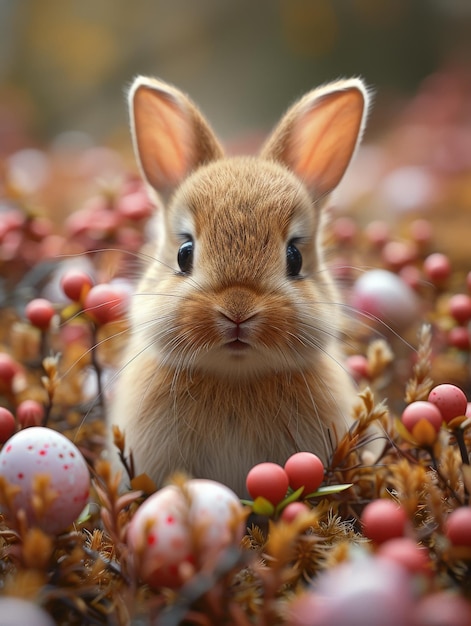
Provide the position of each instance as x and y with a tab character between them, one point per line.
237	345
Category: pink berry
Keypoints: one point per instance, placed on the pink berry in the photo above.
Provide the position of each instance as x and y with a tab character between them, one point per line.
40	313
7	424
450	400
357	365
458	526
105	303
411	275
460	308
383	520
407	553
269	481
378	233
344	229
304	469
437	267
421	231
420	410
29	413
293	510
76	284
134	206
397	254
458	337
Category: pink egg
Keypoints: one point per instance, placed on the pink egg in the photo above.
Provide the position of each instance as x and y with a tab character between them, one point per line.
386	296
39	450
173	528
364	591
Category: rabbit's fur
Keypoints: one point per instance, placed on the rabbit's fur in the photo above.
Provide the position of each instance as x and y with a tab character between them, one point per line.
235	361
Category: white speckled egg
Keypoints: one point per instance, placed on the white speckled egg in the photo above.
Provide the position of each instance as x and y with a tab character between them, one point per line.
40	450
386	296
172	528
19	612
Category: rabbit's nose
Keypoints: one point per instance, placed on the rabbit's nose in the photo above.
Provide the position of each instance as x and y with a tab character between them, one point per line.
238	304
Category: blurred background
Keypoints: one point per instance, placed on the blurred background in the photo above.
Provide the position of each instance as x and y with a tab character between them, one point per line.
64	64
69	184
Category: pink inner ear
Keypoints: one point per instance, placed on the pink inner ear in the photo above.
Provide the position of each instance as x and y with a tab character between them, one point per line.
163	137
324	138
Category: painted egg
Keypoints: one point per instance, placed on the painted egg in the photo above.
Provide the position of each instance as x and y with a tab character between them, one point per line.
183	525
386	296
39	450
18	612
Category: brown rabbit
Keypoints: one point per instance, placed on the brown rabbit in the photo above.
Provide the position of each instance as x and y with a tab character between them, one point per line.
234	353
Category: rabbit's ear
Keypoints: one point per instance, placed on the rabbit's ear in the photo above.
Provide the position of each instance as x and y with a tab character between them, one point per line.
318	136
170	136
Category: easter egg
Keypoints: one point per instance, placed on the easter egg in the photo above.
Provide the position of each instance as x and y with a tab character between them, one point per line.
183	525
38	450
384	295
19	612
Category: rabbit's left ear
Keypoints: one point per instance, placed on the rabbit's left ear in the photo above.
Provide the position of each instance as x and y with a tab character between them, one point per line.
171	137
319	134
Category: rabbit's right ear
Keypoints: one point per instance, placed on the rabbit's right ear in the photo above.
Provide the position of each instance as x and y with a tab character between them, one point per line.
171	137
318	136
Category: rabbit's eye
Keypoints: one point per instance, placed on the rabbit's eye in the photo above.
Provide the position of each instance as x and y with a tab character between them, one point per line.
185	256
294	260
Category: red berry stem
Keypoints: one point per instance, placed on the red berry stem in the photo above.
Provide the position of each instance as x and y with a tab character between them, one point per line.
128	464
459	436
47	413
441	478
97	367
43	345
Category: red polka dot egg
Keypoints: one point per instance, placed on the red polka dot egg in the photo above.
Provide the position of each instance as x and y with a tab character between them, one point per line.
180	527
38	450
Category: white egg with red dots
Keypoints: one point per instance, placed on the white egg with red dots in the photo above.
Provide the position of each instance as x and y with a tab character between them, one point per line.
183	525
39	450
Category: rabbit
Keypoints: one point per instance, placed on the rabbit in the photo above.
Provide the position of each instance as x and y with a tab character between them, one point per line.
234	355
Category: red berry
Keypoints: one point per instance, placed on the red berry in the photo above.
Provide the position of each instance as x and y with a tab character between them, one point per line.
458	526
268	480
459	306
437	267
304	469
292	510
8	370
458	337
7	424
450	400
105	303
29	413
40	313
420	410
407	553
445	608
383	520
76	284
